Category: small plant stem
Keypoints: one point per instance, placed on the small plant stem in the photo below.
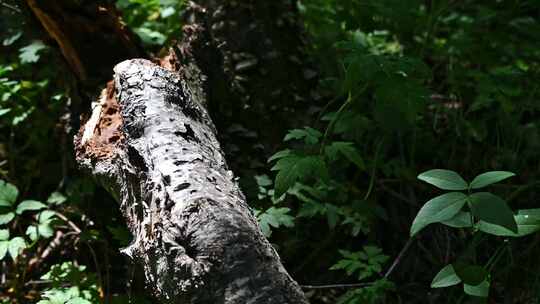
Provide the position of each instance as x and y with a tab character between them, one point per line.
373	171
495	257
399	257
333	121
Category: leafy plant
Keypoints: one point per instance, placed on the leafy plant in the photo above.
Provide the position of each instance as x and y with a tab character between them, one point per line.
10	209
274	217
70	284
371	294
364	263
487	213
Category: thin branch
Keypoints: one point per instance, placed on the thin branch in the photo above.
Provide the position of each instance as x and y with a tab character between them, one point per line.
336	286
11	7
399	257
37	282
70	223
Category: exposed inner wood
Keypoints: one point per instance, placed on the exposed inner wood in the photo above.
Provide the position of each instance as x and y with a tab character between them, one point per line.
102	133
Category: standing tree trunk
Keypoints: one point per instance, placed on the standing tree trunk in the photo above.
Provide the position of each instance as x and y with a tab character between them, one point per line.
154	147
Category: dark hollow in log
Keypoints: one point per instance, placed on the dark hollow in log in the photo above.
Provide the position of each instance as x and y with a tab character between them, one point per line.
194	233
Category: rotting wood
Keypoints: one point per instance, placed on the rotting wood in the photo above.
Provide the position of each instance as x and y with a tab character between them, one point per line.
194	234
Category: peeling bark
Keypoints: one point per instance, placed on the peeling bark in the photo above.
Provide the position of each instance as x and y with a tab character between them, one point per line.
194	233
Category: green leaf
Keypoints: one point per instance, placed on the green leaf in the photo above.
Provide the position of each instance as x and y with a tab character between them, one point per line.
444	179
460	220
4	111
32	232
29	53
295	168
167	12
438	209
45	230
346	149
489	178
46	216
280	154
8	194
56	198
492	209
480	290
16	245
275	217
30	205
150	37
78	300
527	220
11	39
470	274
3	248
310	135
4	234
263	180
6	218
446	277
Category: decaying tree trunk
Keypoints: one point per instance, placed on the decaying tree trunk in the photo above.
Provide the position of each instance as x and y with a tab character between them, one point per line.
153	145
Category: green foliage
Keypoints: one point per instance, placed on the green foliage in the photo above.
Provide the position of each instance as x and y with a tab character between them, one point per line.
492	209
154	21
29	53
70	284
492	213
42	227
294	168
474	278
274	217
444	179
446	277
372	294
484	206
438	209
404	86
365	263
488	178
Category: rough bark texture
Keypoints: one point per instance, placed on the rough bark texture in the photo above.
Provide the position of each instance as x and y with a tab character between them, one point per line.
193	232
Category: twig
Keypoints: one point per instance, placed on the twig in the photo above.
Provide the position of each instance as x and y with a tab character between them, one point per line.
70	223
98	271
11	7
36	282
399	257
336	286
